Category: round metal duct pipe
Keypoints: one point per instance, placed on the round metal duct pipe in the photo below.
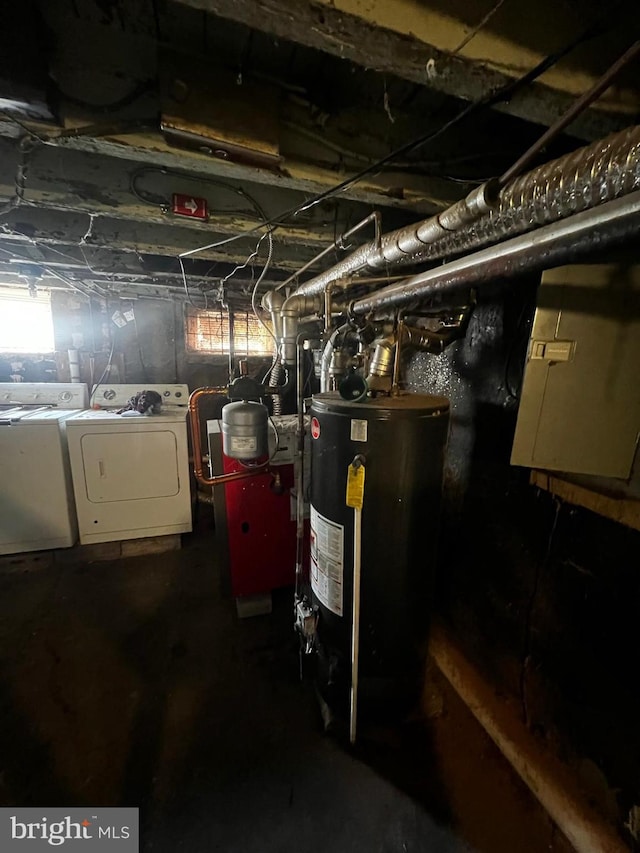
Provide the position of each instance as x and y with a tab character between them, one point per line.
584	179
565	242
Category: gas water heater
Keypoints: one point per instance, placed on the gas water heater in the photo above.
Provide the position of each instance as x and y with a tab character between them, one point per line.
399	441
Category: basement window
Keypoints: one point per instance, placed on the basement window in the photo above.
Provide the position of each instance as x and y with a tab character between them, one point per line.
26	325
207	332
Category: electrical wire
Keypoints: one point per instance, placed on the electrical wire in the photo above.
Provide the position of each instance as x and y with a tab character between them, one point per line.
267	235
95	288
246	263
145	374
204	179
186	286
489	99
486	101
107	369
254	292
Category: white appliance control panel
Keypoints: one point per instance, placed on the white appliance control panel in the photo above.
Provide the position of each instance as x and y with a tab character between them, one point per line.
116	396
64	395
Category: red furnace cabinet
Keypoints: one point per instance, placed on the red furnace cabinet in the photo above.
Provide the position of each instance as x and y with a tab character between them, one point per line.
257	522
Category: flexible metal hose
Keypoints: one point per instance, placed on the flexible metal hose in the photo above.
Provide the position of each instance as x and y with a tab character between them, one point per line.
274	381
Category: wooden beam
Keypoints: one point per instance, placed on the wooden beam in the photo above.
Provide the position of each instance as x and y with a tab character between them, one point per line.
546	776
326	27
66	219
142	285
111	242
401	190
72	182
621	508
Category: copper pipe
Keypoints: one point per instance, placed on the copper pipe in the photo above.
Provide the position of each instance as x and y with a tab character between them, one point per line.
196	437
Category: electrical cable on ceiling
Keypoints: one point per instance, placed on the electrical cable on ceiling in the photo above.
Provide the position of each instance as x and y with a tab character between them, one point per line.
145	374
87	292
12	232
486	101
397	165
246	263
259	211
254	292
489	99
107	369
200	179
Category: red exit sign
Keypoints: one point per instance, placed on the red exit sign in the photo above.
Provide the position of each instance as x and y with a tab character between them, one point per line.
189	205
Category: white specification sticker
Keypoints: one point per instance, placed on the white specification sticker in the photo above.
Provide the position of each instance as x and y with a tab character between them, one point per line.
242	444
327	561
358	430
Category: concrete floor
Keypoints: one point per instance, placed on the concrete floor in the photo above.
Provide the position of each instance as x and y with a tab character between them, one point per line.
132	682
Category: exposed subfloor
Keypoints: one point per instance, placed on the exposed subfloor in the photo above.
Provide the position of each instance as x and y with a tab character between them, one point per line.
132	682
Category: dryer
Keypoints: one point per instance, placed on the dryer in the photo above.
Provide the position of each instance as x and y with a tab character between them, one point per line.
36	497
131	474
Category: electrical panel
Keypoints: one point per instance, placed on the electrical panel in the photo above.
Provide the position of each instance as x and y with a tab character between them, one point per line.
580	402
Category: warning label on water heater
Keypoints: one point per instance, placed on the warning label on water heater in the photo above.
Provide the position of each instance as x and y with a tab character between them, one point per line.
327	561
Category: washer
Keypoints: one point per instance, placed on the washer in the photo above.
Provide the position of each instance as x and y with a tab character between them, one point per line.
37	510
131	474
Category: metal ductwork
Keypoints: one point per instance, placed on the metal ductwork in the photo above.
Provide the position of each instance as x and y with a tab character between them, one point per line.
272	301
584	179
293	308
607	226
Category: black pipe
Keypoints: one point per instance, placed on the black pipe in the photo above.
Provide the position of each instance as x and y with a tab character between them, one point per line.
571	114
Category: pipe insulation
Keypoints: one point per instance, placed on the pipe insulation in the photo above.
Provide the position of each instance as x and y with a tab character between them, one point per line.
583	179
574	239
549	781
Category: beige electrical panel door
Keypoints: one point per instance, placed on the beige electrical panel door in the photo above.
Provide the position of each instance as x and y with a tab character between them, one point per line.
580	403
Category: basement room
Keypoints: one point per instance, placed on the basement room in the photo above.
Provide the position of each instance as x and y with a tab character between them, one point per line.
319	426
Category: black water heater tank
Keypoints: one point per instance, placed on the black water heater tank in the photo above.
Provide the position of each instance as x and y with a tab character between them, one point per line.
402	440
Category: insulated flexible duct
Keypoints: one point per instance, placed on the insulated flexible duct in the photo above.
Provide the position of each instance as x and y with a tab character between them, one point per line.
598	173
569	241
584	179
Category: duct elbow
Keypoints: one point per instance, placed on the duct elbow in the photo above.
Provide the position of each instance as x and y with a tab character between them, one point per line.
296	306
479	201
272	301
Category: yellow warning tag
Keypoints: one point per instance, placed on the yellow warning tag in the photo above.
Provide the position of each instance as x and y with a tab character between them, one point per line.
355	486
